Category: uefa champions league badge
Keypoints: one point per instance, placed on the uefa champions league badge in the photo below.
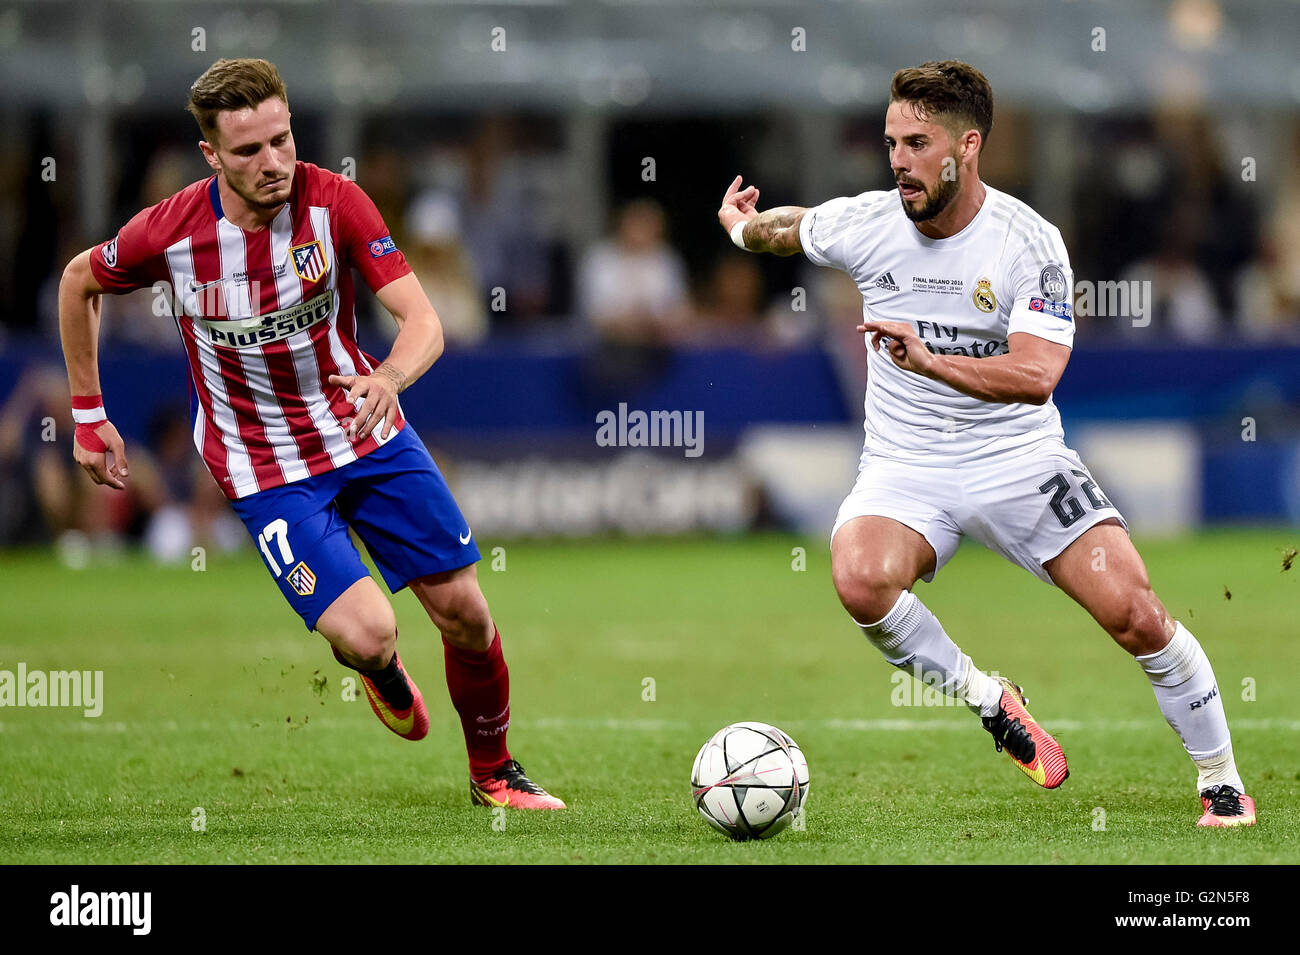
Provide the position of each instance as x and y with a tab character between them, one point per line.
1051	282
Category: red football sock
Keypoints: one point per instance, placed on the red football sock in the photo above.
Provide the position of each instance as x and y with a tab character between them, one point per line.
479	683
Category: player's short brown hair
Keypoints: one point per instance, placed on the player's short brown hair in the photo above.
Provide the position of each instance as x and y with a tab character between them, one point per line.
952	93
233	84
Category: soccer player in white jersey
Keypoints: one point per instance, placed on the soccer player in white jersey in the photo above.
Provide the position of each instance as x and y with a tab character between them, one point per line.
969	292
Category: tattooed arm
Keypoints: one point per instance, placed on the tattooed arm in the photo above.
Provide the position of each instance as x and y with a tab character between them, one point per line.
775	231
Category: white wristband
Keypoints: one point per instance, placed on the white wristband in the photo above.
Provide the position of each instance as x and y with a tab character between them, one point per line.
737	234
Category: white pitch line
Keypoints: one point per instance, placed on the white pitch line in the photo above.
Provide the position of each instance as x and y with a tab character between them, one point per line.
899	725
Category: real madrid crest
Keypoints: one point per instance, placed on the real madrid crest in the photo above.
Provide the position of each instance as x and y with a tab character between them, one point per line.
983	296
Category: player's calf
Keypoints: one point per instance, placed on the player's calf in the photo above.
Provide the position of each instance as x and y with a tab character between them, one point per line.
911	638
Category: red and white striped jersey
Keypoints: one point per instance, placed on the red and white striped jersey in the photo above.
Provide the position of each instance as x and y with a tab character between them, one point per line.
266	318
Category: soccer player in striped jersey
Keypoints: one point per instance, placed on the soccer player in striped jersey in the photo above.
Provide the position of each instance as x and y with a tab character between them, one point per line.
300	428
969	291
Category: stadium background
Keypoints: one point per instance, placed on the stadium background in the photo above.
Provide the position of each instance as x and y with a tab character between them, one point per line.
503	143
524	153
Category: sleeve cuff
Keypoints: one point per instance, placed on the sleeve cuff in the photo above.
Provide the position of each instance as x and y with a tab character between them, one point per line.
806	240
1061	335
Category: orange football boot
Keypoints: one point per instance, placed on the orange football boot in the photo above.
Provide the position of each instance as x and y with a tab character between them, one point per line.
1030	746
1225	807
510	787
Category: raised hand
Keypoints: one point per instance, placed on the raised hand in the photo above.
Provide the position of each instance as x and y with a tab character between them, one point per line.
738	205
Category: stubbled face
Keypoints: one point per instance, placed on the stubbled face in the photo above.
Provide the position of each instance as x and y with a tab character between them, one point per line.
918	149
254	151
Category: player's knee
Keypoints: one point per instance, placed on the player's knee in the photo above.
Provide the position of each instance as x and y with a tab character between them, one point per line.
463	616
367	640
867	593
1140	627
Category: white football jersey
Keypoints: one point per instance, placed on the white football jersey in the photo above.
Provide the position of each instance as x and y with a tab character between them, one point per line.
1007	271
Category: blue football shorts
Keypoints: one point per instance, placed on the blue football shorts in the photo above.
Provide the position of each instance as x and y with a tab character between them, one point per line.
394	498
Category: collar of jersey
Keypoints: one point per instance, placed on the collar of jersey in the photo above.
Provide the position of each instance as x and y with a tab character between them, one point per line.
214	197
952	241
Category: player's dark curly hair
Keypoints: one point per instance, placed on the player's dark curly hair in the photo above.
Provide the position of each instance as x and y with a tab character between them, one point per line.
232	84
952	93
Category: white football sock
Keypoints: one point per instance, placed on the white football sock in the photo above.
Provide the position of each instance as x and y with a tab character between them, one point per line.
1188	695
911	638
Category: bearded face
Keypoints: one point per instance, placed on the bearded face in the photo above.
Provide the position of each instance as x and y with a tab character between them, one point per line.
924	159
923	201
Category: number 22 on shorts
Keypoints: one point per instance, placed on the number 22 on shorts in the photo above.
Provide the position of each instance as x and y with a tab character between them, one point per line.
1067	508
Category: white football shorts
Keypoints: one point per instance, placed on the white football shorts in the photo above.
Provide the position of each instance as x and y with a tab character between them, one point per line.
1028	505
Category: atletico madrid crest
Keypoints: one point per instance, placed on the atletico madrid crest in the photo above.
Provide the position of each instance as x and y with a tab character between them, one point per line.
309	260
302	580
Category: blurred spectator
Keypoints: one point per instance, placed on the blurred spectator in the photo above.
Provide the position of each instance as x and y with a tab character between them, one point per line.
439	260
731	303
633	287
485	196
141	318
188	508
633	293
1268	296
41	480
499	221
732	310
170	499
1177	295
1223	224
1269	285
382	173
1155	200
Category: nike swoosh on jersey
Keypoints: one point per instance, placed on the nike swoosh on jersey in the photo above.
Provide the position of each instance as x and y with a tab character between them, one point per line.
468	534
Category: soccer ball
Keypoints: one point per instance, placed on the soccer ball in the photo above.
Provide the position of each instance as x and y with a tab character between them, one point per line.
749	780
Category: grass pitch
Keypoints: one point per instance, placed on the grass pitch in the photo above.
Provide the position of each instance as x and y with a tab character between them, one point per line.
625	657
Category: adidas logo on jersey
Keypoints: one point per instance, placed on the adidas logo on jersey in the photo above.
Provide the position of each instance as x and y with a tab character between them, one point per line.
887	282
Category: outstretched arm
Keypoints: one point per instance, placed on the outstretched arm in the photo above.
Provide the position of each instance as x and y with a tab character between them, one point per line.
775	231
